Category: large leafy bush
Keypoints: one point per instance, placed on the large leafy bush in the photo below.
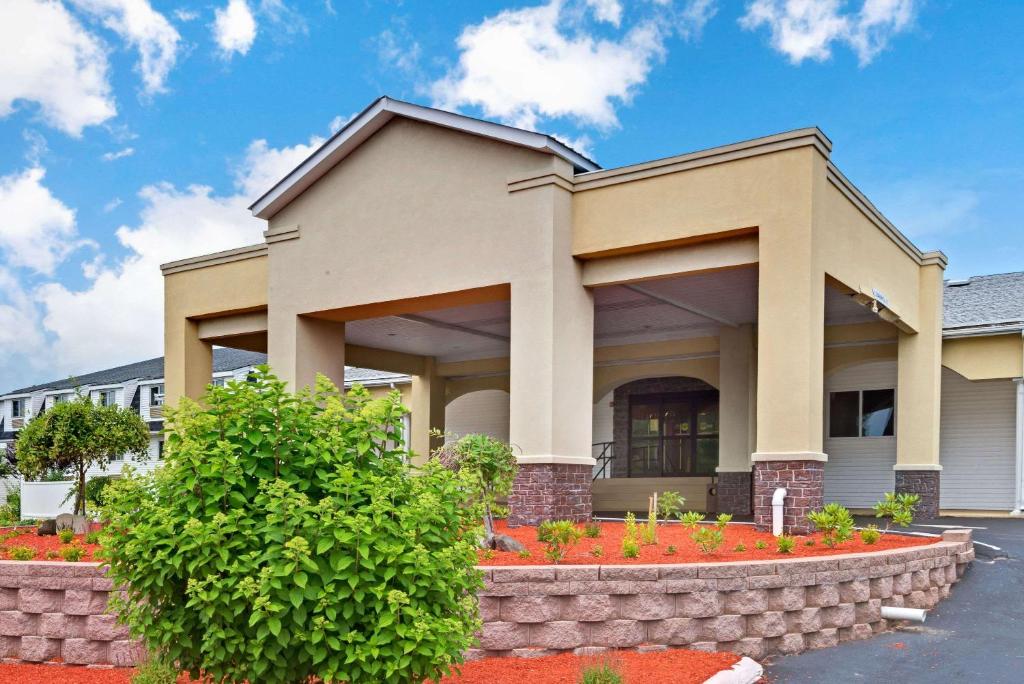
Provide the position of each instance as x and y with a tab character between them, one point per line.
286	537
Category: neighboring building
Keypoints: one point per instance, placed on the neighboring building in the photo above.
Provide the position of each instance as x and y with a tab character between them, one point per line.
740	318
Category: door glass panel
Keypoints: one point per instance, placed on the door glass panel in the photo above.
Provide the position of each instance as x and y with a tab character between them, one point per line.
645	420
677	419
707	455
842	414
677	453
878	413
707	417
644	459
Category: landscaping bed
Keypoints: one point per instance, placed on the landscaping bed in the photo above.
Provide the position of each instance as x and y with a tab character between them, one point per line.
686	551
48	547
663	667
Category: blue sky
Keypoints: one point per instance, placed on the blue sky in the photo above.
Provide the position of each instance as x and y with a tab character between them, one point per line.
133	132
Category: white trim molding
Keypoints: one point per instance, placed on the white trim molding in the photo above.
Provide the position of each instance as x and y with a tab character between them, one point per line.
1018	507
934	467
556	460
789	456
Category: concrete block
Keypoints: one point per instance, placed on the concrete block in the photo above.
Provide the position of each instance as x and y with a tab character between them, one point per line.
589	608
618	633
748	602
700	604
530	609
724	628
647	606
674	631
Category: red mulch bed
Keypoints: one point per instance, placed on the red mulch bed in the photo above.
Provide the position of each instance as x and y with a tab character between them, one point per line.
42	545
664	667
673	534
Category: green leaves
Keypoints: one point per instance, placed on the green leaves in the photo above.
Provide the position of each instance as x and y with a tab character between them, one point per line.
835	523
898	508
286	538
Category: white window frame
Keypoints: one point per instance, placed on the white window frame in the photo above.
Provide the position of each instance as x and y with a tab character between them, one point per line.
20	405
102	394
156	395
860	412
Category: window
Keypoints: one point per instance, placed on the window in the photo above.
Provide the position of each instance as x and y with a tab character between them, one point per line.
61	398
160	449
156	395
219	382
673	435
108	397
17	408
862	413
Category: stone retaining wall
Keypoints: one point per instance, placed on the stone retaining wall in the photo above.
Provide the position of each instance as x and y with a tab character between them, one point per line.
54	610
754	608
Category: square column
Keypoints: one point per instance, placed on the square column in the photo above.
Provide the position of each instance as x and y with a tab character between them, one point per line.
188	361
918	397
426	411
790	377
551	378
299	347
736	419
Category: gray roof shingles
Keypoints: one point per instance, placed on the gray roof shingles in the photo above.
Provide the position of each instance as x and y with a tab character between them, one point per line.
984	301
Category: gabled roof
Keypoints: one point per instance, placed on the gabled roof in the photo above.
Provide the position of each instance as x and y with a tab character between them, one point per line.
984	303
372	119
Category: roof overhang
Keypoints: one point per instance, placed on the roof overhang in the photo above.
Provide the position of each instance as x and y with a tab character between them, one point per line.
372	119
1012	328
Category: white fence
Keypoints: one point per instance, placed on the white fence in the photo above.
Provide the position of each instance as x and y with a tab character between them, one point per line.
43	499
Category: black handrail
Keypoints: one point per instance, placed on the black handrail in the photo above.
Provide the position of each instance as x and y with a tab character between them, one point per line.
604	458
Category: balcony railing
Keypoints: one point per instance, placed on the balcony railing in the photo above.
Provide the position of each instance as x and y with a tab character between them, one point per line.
156	411
604	454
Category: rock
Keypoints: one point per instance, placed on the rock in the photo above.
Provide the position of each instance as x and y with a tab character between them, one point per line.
47	528
65	521
80	524
503	542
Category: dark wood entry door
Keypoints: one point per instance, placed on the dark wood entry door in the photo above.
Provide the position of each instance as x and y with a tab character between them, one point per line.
673	435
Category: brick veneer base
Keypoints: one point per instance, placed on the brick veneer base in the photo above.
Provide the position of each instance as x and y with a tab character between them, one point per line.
734	493
53	610
755	609
550	491
925	483
804	482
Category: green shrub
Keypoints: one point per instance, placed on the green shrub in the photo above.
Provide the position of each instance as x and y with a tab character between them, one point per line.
597	551
630	548
94	489
488	554
691	519
66	535
558	537
809	542
524	553
870	534
834	522
155	672
670	504
52	555
722	520
740	548
708	539
649	532
671	550
72	553
785	544
760	544
487	468
602	673
10	512
286	537
499	512
630	537
92	537
592	530
898	509
22	553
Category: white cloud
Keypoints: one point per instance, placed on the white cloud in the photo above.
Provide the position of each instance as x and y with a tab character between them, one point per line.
234	28
540	62
264	166
928	207
112	205
50	59
397	48
37	230
144	29
339	122
119	154
185	15
606	10
807	29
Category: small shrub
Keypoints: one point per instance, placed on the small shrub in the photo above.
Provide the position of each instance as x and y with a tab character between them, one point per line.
92	538
629	527
740	548
630	537
52	555
630	548
499	512
597	551
870	534
785	544
488	554
809	542
66	535
722	520
671	550
691	519
487	468
760	544
72	553
558	536
155	672
670	504
650	531
835	523
897	509
592	530
22	553
8	516
708	539
525	553
650	536
602	673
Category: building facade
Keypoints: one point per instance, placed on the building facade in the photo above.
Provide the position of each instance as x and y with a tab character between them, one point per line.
721	323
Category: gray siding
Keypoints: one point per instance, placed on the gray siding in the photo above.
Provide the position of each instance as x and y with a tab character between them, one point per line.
977	443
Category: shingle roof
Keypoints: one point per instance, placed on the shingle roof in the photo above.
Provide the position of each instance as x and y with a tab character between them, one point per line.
984	301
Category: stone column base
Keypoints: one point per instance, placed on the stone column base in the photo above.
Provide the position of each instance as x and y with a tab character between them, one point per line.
804	482
550	491
924	483
734	493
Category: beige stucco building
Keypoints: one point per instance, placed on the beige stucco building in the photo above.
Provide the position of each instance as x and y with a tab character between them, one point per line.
731	316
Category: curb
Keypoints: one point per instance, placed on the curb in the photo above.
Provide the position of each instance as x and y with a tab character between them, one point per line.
746	671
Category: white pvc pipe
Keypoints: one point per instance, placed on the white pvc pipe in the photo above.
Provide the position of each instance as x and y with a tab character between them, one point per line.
777	509
897	613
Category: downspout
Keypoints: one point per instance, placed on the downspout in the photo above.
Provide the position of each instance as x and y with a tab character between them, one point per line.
778	500
1018	507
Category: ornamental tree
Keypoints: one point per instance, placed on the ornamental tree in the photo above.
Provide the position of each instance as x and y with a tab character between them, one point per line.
287	538
488	468
76	435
